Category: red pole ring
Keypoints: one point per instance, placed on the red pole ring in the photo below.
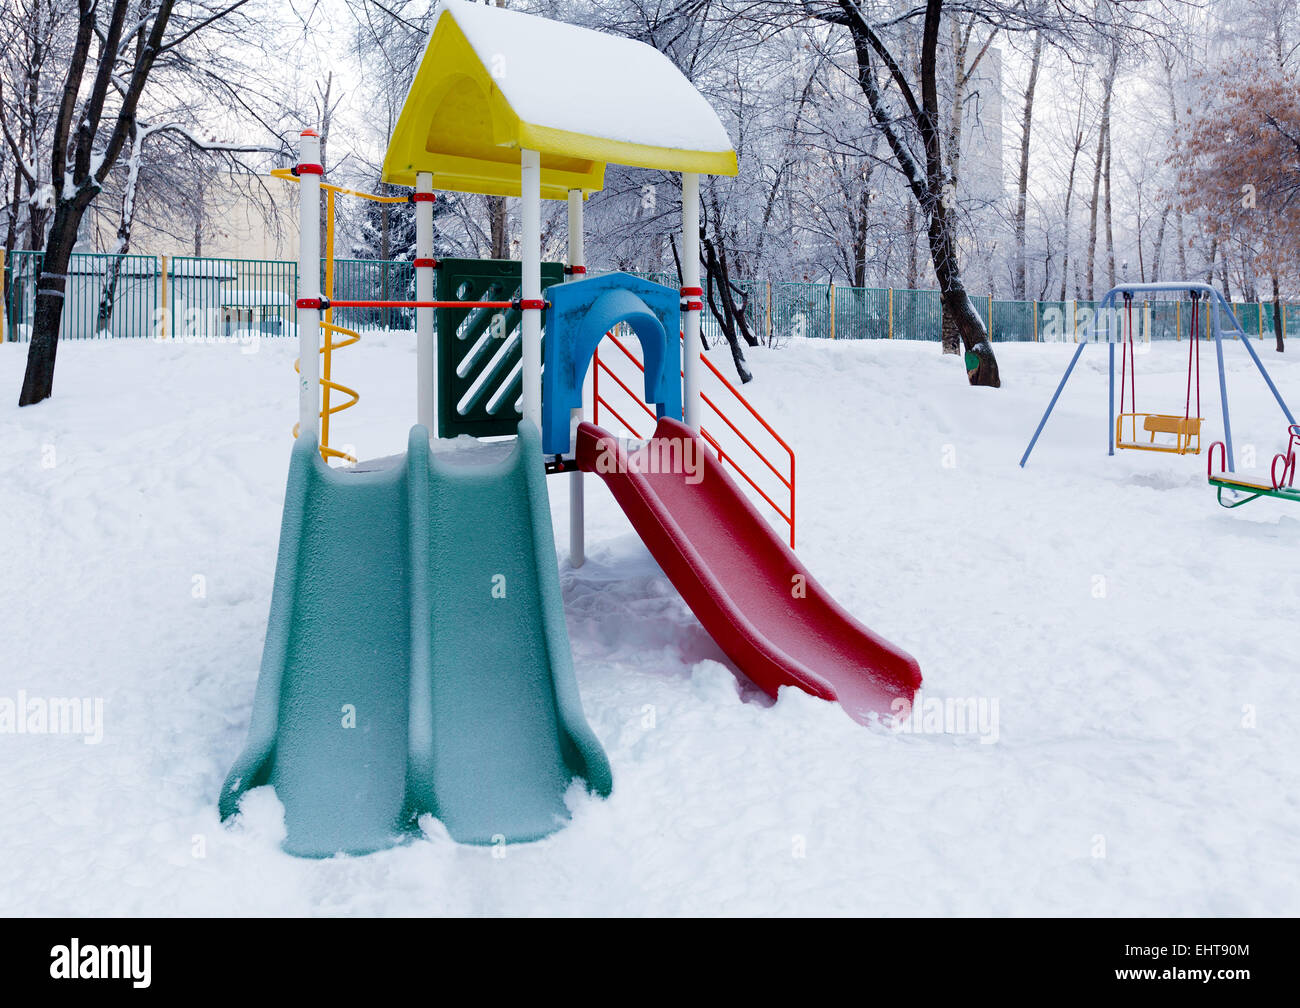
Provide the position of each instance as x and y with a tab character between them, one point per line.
693	306
309	169
530	304
692	292
575	269
426	263
422	197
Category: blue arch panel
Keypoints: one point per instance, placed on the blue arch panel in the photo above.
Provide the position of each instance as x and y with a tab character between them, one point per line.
579	315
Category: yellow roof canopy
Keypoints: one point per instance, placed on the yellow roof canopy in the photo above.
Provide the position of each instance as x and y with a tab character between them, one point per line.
493	82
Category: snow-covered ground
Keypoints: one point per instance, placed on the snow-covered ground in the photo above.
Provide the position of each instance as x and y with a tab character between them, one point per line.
1136	643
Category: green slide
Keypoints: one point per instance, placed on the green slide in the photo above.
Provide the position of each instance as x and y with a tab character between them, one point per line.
416	657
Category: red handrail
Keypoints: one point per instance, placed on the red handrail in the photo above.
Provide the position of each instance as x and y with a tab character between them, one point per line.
730	460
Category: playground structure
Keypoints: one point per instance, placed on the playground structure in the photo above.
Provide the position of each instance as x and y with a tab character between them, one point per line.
1114	324
417	659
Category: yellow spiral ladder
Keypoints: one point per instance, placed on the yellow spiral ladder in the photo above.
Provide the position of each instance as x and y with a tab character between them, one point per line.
329	345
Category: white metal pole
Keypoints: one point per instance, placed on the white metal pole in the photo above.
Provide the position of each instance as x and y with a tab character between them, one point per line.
309	179
577	502
691	303
426	350
530	176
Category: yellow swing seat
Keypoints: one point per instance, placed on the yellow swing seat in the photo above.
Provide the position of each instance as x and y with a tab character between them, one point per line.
1186	432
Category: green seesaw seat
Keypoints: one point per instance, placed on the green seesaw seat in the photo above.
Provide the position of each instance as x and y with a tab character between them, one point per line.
1281	484
417	658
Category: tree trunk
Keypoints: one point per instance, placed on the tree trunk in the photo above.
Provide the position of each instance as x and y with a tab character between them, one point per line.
38	380
1019	281
499	233
11	239
858	276
950	328
1069	196
1110	232
1158	249
913	269
1092	217
1108	86
927	183
960	316
108	295
1178	212
1279	317
719	291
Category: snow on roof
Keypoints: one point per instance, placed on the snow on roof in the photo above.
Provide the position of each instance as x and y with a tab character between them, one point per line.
492	81
587	82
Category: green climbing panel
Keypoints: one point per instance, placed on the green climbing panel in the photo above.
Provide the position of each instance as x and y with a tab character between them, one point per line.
480	359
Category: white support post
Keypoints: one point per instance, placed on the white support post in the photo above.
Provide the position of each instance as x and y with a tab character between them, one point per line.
530	191
577	502
691	315
426	350
309	180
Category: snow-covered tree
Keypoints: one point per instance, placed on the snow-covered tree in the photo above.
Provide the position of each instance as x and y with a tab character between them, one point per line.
118	71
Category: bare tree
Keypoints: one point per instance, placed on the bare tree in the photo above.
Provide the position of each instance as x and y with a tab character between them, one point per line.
925	172
180	145
114	50
1018	277
1099	167
1077	137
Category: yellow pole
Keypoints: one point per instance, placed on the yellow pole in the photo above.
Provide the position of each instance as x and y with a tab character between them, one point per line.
162	291
832	311
891	313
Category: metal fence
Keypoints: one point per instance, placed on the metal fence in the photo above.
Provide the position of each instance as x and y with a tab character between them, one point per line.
192	297
197	298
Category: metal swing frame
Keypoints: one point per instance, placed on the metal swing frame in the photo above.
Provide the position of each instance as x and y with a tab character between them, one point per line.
1102	330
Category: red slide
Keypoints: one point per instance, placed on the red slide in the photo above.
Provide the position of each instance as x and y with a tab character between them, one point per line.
754	597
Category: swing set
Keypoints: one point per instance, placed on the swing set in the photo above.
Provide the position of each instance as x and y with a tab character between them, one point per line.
1179	434
1186	429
